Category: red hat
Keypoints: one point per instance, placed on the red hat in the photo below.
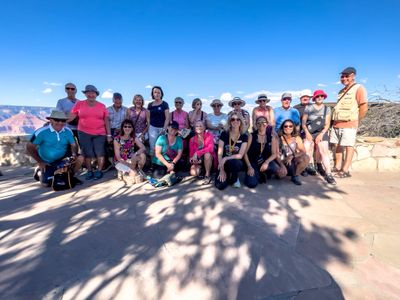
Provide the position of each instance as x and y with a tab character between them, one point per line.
319	93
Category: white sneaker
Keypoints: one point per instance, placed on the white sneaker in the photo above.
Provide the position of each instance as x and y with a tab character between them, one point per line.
237	184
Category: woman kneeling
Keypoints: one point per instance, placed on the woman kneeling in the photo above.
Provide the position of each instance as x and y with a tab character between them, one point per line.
168	150
261	154
201	152
129	152
232	146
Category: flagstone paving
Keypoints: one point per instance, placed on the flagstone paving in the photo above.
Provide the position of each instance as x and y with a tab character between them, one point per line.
107	240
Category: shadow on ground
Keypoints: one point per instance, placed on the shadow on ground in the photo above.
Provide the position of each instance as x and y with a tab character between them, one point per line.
106	240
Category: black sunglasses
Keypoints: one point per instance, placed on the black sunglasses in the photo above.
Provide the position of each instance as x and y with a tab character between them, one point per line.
70	88
60	120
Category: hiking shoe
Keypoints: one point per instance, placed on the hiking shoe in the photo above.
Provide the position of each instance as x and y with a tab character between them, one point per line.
36	174
98	175
237	184
304	173
320	170
329	179
296	180
310	170
89	175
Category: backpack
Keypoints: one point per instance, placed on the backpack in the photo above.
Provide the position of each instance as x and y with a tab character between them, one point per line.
63	178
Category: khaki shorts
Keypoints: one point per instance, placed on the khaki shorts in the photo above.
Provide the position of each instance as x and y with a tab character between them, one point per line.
345	137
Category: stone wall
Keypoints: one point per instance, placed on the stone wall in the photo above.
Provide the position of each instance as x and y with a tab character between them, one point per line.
377	154
12	151
372	153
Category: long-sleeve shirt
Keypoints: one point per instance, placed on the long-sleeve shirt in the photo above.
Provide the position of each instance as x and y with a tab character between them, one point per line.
207	148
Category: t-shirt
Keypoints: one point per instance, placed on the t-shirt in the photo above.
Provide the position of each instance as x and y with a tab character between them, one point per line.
282	115
116	117
91	119
233	148
65	105
157	114
314	113
53	145
180	117
300	107
169	152
216	121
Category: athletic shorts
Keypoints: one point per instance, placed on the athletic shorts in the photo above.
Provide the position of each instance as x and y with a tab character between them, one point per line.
345	137
92	145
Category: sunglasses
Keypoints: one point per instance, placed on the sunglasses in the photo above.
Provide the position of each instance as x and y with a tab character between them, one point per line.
236	103
261	123
288	126
235	119
262	100
319	96
127	126
287	99
178	102
60	120
216	105
345	76
70	88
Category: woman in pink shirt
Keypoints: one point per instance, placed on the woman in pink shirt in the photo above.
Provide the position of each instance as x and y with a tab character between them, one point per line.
179	115
201	152
93	130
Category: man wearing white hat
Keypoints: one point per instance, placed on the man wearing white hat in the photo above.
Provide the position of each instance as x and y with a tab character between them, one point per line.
51	144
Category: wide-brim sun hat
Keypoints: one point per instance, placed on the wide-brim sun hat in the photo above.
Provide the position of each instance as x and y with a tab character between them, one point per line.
319	93
216	101
262	97
55	114
237	99
305	93
90	88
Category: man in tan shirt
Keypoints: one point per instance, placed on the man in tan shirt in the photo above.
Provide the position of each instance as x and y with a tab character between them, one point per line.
350	109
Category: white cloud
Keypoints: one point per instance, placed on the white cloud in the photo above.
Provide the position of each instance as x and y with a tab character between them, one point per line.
321	85
191	95
52	83
226	96
211	96
337	82
364	80
375	94
240	92
107	94
47	91
398	76
149	86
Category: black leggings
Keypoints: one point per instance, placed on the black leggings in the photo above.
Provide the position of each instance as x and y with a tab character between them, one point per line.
232	168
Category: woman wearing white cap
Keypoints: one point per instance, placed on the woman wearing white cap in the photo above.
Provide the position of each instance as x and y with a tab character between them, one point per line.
237	103
263	110
217	120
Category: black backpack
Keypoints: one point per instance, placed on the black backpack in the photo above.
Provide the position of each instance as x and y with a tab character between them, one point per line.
63	178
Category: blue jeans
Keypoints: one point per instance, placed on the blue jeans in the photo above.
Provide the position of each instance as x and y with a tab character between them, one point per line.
252	181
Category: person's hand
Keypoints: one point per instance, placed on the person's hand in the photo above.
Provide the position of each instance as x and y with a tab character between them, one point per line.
170	167
222	176
319	138
250	171
109	139
43	165
309	137
264	166
288	160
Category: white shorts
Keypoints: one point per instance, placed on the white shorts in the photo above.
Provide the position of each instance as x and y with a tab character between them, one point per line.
345	137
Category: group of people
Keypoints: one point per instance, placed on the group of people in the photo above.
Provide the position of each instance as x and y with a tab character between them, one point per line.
267	143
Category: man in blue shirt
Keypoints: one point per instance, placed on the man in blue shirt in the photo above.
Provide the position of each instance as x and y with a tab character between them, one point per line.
286	112
51	144
66	104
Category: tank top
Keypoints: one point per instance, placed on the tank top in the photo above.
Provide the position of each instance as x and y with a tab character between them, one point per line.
289	149
139	120
180	118
254	152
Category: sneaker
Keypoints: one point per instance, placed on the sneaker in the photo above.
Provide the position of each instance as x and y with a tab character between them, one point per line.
98	175
329	179
237	184
310	170
296	180
89	175
320	170
36	174
304	173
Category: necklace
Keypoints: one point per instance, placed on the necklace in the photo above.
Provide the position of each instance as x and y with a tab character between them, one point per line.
232	142
262	142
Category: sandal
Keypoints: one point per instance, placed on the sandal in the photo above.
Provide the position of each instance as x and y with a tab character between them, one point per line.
335	170
343	174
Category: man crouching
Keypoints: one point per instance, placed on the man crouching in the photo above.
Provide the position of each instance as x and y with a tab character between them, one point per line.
51	144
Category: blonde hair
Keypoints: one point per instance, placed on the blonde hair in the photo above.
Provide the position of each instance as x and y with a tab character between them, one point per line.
242	127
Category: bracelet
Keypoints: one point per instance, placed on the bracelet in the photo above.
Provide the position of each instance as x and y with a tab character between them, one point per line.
109	135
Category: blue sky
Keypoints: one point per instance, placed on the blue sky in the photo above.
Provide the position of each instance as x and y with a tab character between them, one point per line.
193	49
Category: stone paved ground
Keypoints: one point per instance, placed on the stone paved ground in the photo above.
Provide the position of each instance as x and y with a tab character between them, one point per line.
106	240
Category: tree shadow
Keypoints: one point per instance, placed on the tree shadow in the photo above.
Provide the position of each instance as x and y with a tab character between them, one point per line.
109	240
